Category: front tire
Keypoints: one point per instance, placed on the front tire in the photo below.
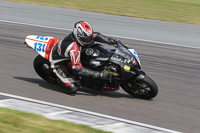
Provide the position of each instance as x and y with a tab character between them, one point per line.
144	88
43	69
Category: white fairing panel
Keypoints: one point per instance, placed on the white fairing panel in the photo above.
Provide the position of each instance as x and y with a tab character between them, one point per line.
38	43
135	54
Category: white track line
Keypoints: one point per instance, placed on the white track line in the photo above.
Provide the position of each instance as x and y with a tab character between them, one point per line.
89	112
166	43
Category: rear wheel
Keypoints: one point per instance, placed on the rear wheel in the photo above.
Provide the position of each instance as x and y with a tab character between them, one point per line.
145	88
43	69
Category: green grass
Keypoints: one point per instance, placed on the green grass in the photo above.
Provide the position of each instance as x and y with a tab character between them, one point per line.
182	11
12	121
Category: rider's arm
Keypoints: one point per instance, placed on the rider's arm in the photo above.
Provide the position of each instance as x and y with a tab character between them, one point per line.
103	39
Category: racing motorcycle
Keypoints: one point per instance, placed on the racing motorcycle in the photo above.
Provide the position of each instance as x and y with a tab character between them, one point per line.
122	63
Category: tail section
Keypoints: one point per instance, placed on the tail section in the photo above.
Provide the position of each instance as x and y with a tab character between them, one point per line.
41	44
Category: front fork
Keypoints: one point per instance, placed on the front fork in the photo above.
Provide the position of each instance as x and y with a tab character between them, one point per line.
141	75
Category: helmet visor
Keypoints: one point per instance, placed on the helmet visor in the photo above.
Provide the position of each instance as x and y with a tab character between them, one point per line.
87	39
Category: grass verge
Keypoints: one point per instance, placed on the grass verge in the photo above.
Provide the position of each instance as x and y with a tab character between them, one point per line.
12	121
182	11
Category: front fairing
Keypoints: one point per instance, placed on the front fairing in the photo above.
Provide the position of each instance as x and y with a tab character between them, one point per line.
127	61
124	55
135	54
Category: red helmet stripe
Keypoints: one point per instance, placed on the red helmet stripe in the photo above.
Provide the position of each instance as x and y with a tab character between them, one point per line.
86	26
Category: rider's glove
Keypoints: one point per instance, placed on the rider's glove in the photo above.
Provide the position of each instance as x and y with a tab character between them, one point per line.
113	42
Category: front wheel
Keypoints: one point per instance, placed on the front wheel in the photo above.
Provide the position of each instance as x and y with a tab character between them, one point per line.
144	88
43	69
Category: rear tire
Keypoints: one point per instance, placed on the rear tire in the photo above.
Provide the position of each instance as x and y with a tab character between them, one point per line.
145	88
43	68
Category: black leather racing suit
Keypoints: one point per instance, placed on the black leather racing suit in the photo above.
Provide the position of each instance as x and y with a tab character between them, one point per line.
71	49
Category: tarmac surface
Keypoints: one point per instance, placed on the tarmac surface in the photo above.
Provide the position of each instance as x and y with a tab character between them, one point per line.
174	69
141	29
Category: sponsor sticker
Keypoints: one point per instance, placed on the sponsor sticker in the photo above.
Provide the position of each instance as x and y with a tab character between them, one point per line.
43	38
134	62
126	67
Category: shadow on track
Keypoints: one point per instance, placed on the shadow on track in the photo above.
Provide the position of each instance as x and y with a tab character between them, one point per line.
86	92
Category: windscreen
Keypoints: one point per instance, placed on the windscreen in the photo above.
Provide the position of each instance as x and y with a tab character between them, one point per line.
123	52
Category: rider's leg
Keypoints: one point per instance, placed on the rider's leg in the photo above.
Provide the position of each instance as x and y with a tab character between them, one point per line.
68	82
64	77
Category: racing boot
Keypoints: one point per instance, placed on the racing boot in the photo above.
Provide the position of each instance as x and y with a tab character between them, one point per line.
70	86
72	89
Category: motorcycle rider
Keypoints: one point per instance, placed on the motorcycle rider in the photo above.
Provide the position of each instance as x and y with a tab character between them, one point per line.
70	48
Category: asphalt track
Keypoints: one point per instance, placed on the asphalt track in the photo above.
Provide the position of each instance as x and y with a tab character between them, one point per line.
141	29
175	70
